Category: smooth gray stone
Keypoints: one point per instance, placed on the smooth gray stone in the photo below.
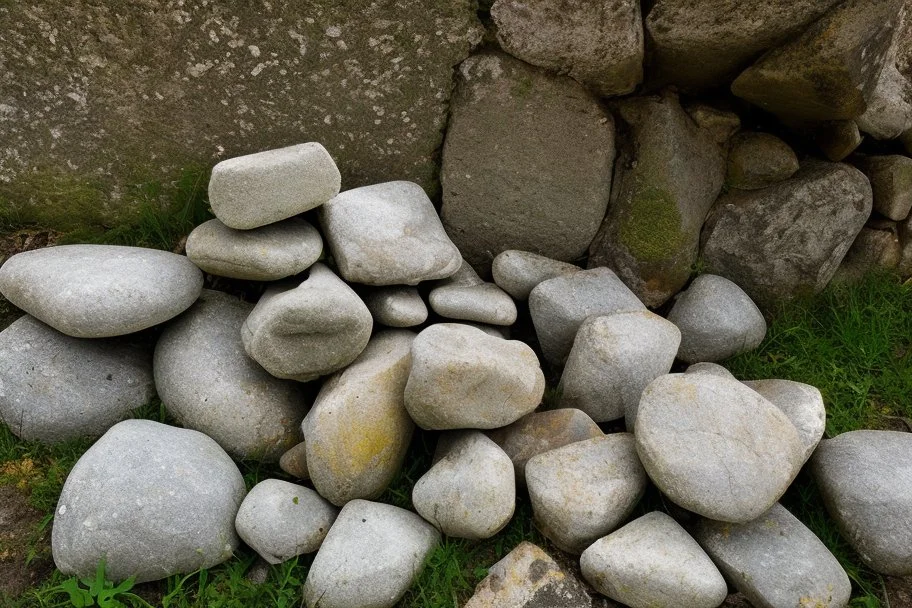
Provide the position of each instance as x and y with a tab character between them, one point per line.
498	331
388	234
358	431
889	113
370	557
463	378
470	492
310	330
583	491
865	478
269	253
717	320
802	403
560	305
99	291
151	500
54	387
716	447
266	187
294	461
891	182
612	360
653	561
775	561
485	303
713	369
208	383
518	272
280	520
757	160
396	306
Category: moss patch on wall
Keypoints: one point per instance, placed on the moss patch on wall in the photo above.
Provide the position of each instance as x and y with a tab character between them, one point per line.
651	231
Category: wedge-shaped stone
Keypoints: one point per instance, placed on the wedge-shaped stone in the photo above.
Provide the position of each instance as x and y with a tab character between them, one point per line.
802	403
518	272
757	160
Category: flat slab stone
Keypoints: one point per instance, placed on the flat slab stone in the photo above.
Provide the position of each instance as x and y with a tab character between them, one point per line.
485	303
269	253
518	272
396	306
258	189
802	403
98	291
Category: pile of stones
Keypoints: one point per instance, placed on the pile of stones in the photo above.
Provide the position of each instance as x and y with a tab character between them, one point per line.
153	500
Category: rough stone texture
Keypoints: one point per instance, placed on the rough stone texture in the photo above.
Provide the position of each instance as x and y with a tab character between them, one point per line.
776	561
865	479
388	234
560	305
540	432
613	358
876	249
257	189
358	431
802	403
698	45
54	387
584	490
396	306
280	520
905	240
294	461
527	577
208	383
310	330
600	44
462	378
891	183
96	97
837	138
787	239
720	124
152	500
98	291
712	369
518	140
716	447
369	558
757	160
667	176
831	70
265	254
470	492
518	272
889	111
653	561
485	303
717	320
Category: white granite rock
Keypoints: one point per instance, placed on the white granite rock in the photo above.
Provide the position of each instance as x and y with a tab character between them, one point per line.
396	306
485	303
802	403
713	369
518	272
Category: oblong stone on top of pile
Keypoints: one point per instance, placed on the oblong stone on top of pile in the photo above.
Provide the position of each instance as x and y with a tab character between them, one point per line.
388	234
99	291
357	433
304	332
484	303
208	383
462	378
258	189
396	306
518	272
54	387
269	253
151	500
560	305
716	447
802	403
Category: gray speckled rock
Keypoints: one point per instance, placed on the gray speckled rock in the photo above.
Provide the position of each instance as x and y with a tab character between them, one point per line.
865	478
388	234
272	252
560	305
802	403
653	561
470	492
152	500
891	183
720	124
294	461
369	558
208	382
54	387
716	447
584	490
98	291
280	520
397	306
713	369
358	431
612	360
717	320
837	139
518	272
485	303
889	112
463	378
776	561
307	331
258	189
757	160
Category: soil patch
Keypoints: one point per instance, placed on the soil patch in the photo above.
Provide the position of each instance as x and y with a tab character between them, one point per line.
898	591
20	538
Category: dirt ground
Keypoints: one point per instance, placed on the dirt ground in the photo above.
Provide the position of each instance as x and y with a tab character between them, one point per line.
18	537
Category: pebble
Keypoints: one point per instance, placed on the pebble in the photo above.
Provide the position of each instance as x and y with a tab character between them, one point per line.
518	272
294	461
396	306
802	403
485	303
